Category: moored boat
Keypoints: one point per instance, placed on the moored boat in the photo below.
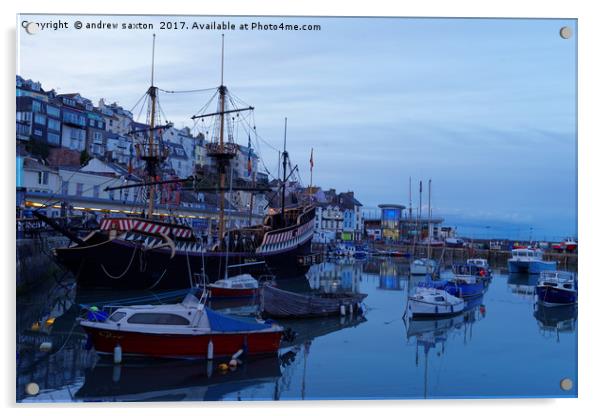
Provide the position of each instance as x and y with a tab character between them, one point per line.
284	304
183	330
527	260
143	252
556	288
482	266
240	286
431	302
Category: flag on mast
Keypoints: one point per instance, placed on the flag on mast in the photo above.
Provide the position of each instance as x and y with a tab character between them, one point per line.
249	163
311	160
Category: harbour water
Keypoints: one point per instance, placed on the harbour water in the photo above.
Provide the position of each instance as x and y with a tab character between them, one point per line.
503	346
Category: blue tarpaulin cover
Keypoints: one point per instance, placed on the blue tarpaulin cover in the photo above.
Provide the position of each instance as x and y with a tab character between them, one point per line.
224	323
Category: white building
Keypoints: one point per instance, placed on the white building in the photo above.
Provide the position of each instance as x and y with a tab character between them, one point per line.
117	119
182	150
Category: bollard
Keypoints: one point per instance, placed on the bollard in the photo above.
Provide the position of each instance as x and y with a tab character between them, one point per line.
342	308
350	309
117	354
210	350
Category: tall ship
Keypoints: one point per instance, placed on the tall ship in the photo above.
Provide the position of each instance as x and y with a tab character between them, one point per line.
155	252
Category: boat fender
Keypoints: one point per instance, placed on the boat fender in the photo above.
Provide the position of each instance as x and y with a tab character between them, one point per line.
223	367
210	350
233	364
209	368
45	346
116	373
117	354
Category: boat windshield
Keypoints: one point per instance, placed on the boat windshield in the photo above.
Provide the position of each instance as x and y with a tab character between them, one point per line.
192	298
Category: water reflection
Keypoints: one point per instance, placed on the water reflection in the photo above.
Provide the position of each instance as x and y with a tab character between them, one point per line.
554	320
173	380
331	357
432	334
522	285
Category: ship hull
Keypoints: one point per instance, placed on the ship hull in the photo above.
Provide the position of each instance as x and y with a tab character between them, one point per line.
121	264
532	267
183	346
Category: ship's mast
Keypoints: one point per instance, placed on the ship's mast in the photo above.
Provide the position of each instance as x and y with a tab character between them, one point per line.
222	169
284	162
152	161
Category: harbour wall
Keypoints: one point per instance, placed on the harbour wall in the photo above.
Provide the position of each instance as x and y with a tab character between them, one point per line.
34	260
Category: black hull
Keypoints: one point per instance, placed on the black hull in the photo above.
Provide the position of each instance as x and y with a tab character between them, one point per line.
119	264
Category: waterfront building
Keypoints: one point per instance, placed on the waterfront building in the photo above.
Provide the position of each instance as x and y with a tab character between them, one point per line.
117	119
74	111
37	120
372	229
390	220
182	148
96	134
353	221
395	227
119	149
338	216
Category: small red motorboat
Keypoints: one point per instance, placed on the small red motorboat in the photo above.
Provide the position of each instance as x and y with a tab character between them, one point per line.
184	330
241	286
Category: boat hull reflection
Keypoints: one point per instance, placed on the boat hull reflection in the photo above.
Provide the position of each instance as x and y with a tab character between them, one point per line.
173	380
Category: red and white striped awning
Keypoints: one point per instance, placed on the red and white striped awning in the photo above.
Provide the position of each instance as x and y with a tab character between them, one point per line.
144	226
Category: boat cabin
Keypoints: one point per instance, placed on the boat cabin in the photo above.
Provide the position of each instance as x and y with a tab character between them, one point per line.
527	254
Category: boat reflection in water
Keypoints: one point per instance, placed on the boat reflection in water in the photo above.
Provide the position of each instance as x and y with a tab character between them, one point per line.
554	320
173	380
182	380
523	285
434	333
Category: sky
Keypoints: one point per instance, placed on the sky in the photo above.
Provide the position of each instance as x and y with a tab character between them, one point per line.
485	108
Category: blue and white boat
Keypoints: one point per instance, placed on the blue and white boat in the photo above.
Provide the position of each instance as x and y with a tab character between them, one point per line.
465	286
556	288
460	286
481	267
526	260
431	302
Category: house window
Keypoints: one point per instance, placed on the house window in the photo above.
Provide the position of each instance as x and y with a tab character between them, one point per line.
79	189
54	124
23	116
65	188
53	111
36	106
54	138
96	191
42	178
40	119
37	132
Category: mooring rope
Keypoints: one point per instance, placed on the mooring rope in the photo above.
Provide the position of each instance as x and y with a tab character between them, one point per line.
126	269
